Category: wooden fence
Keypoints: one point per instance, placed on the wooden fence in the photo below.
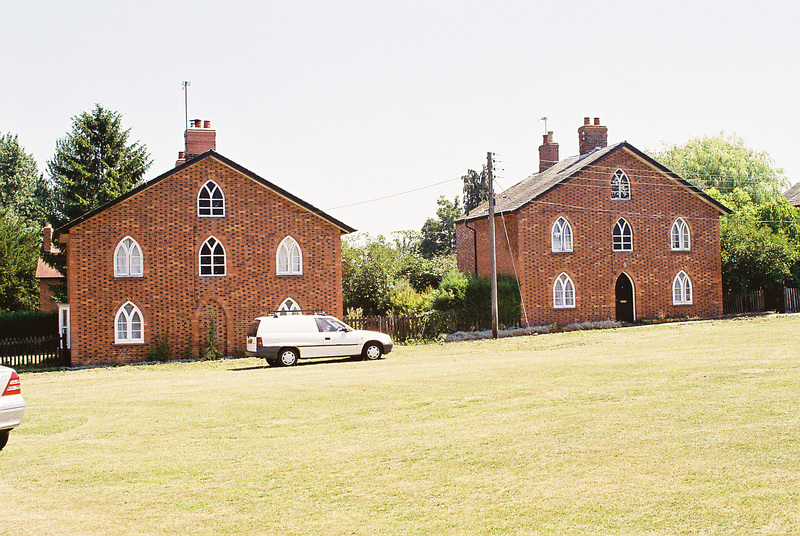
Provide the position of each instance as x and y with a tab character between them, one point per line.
49	351
399	328
791	300
782	300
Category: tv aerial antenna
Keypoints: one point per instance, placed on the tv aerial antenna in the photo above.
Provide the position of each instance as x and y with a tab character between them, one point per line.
185	88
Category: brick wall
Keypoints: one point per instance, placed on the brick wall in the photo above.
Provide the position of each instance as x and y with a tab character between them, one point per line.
593	266
171	295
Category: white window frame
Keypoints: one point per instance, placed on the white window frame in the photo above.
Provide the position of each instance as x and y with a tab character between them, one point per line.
680	236
619	236
289	257
125	331
289	306
213	212
561	236
682	289
620	186
563	292
212	257
127	250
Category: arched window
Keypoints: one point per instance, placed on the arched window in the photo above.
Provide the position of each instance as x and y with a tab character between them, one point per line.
128	326
623	236
561	236
289	259
679	236
289	307
128	258
563	292
210	201
681	289
212	257
620	185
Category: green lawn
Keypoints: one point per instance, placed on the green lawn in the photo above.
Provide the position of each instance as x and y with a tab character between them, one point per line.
672	429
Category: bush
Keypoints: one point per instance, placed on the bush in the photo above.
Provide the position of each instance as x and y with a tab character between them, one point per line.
160	349
28	324
468	300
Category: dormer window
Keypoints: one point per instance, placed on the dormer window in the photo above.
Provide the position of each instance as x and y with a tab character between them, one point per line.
620	185
210	201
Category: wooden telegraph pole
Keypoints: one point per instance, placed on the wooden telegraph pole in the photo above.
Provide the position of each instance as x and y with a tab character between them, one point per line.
492	244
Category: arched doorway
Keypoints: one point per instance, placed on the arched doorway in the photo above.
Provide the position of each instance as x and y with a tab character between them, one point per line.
624	297
213	341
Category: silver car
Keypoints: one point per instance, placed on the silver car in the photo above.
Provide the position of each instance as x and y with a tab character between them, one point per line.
12	405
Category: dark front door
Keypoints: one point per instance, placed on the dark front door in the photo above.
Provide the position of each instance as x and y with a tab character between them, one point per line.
624	296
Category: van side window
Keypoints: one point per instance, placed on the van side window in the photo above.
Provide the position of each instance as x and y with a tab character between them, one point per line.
329	325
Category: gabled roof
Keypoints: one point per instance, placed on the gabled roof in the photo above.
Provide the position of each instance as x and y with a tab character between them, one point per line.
64	229
793	195
533	187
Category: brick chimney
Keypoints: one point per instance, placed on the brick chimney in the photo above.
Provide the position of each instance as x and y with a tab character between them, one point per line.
592	137
548	152
47	239
199	138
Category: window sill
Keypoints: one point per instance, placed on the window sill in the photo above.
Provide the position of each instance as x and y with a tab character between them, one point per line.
563	307
116	276
562	251
679	304
681	250
288	274
127	343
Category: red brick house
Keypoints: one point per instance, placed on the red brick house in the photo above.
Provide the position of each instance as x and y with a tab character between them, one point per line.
207	244
607	234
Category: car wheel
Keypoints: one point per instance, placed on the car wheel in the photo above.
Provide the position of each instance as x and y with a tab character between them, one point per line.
3	438
373	351
288	357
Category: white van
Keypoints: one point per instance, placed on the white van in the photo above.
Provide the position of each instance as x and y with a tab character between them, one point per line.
283	339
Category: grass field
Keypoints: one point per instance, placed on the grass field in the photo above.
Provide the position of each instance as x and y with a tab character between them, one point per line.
672	429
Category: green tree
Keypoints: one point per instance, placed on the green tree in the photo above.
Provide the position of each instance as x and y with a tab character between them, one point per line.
24	193
19	251
94	164
438	236
368	275
760	243
753	257
476	189
725	163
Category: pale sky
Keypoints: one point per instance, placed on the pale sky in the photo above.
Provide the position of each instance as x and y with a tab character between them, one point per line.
350	101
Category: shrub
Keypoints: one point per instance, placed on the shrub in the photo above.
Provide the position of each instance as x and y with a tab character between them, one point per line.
28	324
160	349
468	300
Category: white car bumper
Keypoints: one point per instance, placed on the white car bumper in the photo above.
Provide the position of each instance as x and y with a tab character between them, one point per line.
11	410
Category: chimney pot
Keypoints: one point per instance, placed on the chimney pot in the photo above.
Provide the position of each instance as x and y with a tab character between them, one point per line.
586	121
206	124
597	121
